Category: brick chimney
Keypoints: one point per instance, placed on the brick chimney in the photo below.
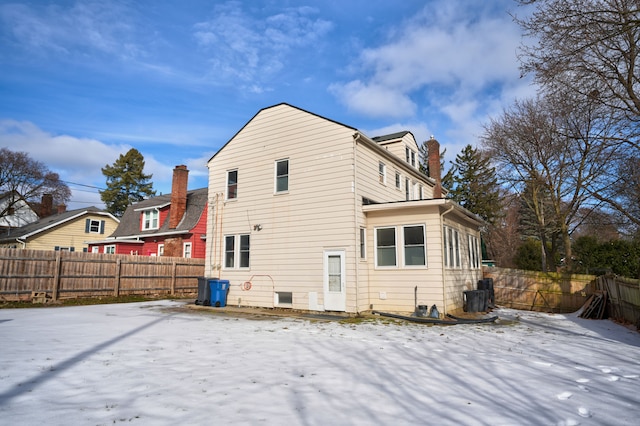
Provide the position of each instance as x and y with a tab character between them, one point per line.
178	195
62	208
433	161
46	206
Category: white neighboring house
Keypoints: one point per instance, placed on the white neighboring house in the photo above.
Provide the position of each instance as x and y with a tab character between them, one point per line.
16	212
308	213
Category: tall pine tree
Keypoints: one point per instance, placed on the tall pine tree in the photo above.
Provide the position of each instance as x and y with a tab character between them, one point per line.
126	182
474	184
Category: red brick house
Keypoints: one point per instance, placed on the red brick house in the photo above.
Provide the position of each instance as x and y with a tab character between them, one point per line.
166	225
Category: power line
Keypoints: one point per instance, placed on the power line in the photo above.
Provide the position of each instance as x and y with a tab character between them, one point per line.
82	184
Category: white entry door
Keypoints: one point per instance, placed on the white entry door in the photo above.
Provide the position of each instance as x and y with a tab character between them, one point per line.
335	295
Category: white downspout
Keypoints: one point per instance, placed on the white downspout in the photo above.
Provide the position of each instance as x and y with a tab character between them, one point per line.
444	297
355	219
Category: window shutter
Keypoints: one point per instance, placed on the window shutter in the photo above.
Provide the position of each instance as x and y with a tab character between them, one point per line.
102	226
87	226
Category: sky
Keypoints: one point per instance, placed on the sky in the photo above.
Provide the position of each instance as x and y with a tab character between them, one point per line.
82	82
159	363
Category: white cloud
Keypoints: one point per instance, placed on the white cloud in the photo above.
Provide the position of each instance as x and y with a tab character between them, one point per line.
251	49
449	53
105	27
374	99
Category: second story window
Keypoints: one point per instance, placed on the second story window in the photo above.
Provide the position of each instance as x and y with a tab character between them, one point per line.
94	226
398	181
407	189
232	184
149	219
282	175
382	172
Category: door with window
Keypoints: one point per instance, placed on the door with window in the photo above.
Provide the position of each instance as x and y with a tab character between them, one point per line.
335	295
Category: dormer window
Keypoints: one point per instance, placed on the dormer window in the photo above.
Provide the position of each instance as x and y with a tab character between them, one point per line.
150	219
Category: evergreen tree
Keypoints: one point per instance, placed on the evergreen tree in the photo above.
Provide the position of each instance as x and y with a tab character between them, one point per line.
126	182
474	185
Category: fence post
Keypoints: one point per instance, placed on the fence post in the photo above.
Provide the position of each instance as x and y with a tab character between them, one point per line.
116	290
173	277
56	277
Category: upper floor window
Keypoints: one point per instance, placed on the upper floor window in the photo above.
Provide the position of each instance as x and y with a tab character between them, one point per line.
398	181
282	175
407	189
410	156
363	247
232	184
150	219
382	172
94	226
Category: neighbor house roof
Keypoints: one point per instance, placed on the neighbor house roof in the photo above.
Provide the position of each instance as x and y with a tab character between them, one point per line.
129	226
384	138
49	222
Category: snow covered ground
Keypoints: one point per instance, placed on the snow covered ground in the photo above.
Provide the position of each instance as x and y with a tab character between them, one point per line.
151	364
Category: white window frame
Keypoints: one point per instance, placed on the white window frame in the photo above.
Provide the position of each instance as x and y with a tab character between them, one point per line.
187	250
451	246
233	258
110	249
407	189
382	173
229	185
407	153
423	245
152	221
160	249
95	249
277	177
93	222
474	258
363	243
395	247
398	181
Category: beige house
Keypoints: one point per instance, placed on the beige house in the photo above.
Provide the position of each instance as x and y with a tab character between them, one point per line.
308	213
64	230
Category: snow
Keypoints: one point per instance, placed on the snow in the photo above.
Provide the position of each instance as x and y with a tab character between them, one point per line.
159	363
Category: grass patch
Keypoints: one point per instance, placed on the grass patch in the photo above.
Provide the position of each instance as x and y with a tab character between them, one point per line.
82	301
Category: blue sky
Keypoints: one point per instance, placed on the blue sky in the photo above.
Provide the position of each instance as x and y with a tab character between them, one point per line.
84	81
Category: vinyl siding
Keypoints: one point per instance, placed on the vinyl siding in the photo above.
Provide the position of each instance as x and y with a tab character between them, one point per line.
316	214
392	289
70	234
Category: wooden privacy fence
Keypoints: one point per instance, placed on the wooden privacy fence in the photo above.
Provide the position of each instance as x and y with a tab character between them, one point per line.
623	297
540	291
63	274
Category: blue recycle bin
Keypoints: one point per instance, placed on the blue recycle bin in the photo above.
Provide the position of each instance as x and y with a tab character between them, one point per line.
219	289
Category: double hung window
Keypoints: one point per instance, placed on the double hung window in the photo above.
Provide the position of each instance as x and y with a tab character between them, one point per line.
232	184
386	247
282	175
150	219
414	245
451	247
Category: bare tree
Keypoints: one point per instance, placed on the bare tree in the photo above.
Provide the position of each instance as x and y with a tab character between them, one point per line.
551	154
26	178
590	49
